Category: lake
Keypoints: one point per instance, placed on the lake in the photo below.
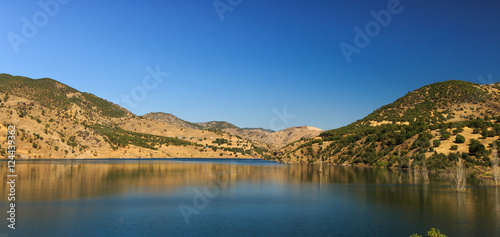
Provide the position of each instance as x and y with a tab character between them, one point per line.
214	197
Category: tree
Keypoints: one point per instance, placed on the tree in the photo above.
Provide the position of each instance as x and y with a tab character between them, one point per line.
458	181
431	233
459	139
454	147
453	157
494	163
445	135
484	133
436	143
476	148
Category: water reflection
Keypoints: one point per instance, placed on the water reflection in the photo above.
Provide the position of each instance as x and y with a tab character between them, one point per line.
461	208
73	180
421	202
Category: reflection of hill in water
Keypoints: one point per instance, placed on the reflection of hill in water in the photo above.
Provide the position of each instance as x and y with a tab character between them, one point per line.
394	188
43	181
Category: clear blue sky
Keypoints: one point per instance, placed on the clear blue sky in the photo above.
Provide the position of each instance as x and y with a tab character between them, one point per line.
263	56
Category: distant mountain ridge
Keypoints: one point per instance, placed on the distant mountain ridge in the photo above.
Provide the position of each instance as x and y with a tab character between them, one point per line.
172	119
265	137
260	129
216	125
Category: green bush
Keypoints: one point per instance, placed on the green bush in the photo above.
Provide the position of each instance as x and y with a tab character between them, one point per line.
220	141
261	150
453	157
431	233
437	162
445	135
422	141
436	143
459	139
476	148
454	147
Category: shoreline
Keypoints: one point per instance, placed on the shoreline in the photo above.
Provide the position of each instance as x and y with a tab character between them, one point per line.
176	158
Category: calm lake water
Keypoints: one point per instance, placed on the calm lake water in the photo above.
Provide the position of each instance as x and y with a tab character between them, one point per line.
201	197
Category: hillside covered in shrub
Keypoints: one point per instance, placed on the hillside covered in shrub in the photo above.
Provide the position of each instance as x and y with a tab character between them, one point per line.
437	124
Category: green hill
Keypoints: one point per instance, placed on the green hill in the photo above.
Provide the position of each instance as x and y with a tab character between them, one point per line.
422	125
430	103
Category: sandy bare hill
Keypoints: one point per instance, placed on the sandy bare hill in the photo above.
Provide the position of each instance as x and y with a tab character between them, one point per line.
276	140
53	120
44	133
292	134
171	120
262	137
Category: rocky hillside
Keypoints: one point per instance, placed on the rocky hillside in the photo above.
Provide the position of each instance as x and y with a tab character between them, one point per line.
53	120
437	124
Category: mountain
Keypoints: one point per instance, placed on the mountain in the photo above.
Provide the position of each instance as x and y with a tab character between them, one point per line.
426	124
276	140
263	137
217	125
433	125
55	95
53	120
260	129
172	120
